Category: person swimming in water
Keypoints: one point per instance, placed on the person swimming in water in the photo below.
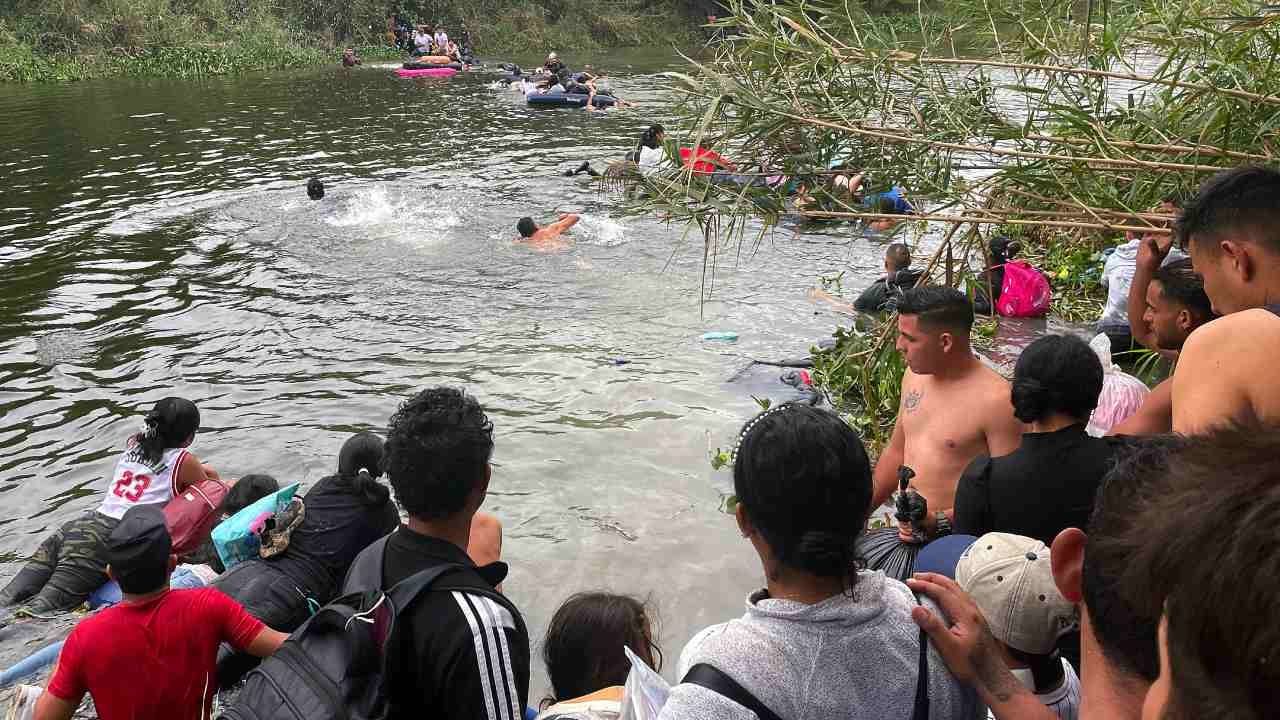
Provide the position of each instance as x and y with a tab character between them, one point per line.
349	58
531	233
315	189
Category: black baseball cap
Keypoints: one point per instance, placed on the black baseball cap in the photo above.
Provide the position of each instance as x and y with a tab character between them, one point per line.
138	550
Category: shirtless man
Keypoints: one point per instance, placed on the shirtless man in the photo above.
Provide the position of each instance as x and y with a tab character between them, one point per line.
547	234
1226	370
1166	304
954	408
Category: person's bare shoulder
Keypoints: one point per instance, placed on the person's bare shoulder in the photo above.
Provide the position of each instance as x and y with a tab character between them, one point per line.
989	382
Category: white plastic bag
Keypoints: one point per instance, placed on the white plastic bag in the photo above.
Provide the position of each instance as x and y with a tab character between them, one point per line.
24	702
1122	393
645	691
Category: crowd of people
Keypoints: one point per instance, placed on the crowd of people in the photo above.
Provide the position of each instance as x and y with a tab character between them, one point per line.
430	39
554	78
1059	575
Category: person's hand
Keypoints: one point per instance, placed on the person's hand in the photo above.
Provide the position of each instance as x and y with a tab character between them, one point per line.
1152	250
965	641
910	533
970	651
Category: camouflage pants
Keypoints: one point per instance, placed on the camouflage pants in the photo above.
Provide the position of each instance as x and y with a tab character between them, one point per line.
68	566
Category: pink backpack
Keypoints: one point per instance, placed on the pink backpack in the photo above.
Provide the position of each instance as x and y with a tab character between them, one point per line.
1025	292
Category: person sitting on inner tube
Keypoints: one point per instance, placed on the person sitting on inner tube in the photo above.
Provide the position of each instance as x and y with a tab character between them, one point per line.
422	41
553	65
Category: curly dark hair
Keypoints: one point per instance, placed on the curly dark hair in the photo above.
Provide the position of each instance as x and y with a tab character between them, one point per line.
438	446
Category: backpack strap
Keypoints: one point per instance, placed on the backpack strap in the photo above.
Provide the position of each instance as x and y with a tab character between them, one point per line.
921	710
717	681
403	592
365	572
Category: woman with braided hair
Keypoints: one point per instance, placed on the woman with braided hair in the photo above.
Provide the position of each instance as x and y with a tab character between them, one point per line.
1048	483
155	466
824	638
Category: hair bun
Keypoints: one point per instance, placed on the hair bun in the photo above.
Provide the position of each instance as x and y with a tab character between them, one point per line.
1031	399
823	553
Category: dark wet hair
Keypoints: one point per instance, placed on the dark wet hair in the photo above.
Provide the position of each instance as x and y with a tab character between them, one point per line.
804	481
1180	283
360	464
1002	249
248	490
1056	374
649	138
527	227
1207	555
583	648
315	189
938	307
1174	198
898	256
1243	200
170	423
438	445
1125	632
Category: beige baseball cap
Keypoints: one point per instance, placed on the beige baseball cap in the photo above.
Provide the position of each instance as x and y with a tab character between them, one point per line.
1010	577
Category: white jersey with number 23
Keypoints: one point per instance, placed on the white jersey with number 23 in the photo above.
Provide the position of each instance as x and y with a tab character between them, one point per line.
137	483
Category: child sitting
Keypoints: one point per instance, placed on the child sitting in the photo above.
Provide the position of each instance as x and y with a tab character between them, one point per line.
1010	578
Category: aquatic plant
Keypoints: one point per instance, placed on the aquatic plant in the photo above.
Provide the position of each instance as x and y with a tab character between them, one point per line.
1065	123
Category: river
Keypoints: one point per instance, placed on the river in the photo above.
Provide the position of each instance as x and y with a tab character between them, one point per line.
156	239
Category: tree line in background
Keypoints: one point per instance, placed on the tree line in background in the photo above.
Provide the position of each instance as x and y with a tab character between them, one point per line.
68	39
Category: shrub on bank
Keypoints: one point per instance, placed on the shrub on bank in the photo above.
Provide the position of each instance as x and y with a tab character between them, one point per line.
41	40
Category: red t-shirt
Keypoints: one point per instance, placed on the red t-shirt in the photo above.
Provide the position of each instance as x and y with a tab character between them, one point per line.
700	165
155	660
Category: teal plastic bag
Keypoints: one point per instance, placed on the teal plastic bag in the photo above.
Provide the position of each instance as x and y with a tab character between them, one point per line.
236	538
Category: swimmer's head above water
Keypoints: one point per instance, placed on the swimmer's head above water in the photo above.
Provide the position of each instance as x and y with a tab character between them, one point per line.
527	227
897	257
315	189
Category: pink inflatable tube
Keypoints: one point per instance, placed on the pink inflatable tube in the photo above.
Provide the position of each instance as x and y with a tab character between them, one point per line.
429	72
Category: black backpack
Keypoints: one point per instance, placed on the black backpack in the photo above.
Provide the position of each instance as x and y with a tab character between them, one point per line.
334	666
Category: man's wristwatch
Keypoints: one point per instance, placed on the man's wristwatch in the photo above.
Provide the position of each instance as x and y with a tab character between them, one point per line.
942	526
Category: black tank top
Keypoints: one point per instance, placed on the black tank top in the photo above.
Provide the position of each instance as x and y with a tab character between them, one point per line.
1274	309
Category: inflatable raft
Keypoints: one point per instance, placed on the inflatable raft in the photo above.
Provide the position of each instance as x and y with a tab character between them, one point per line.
431	66
570	100
427	72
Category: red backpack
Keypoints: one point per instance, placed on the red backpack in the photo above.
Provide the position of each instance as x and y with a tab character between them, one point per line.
191	515
1025	292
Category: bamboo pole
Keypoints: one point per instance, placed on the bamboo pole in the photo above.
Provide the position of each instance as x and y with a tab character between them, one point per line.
984	221
1115	162
1152	147
905	57
1084	212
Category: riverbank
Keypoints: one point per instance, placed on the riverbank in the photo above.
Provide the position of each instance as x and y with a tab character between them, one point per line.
71	42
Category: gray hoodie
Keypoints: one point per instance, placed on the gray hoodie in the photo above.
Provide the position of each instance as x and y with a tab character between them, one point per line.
845	657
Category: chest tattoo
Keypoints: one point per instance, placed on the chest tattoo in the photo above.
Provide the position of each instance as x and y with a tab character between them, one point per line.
912	401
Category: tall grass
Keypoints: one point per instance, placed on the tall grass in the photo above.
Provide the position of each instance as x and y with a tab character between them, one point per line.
1086	115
